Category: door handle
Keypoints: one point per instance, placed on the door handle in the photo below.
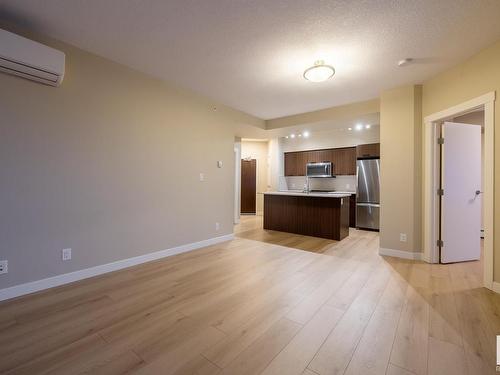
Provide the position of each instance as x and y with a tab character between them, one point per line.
477	193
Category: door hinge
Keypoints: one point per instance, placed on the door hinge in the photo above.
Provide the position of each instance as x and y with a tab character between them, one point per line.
440	141
440	243
440	191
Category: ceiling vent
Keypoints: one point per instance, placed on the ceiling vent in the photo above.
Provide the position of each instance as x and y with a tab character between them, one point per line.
31	60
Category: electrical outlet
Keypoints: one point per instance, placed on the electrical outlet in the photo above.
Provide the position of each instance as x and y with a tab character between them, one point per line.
66	254
4	266
202	177
217	226
402	237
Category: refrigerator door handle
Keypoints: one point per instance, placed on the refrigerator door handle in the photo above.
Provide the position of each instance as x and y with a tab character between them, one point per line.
368	204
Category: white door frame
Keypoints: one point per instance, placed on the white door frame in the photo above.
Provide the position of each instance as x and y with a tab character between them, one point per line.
431	180
237	182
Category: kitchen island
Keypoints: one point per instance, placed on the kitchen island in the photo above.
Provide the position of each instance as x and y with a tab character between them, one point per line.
324	215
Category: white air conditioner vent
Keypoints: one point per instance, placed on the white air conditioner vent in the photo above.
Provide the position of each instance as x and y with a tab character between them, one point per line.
31	60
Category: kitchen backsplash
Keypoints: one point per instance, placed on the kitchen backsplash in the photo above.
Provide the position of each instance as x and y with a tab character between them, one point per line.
341	183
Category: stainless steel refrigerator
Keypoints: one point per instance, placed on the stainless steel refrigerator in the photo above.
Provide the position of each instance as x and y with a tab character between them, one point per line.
368	194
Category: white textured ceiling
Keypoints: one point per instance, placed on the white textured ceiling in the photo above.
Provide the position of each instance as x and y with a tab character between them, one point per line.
251	54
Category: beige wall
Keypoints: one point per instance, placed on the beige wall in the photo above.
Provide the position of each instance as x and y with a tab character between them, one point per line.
474	77
108	164
259	151
400	155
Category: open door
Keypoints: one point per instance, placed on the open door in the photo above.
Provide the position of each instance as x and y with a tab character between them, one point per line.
461	200
248	186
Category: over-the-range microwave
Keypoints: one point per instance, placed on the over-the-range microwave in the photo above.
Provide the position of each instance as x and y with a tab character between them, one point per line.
322	169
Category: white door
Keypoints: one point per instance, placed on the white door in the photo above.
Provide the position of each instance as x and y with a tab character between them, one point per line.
461	202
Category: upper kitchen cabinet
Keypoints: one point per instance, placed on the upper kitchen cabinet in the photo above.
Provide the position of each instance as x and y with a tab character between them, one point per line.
343	159
291	163
371	150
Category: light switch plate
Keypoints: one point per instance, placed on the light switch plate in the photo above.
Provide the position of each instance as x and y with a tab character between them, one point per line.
219	163
66	254
4	266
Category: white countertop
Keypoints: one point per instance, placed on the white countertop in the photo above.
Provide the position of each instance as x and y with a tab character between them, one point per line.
298	193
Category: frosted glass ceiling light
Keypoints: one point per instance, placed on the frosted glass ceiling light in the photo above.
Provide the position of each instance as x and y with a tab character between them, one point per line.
319	72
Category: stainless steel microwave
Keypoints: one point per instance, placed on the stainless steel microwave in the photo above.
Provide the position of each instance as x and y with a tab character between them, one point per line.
323	169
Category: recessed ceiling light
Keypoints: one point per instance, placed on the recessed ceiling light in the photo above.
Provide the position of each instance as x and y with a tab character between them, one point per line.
368	126
292	135
349	129
319	72
300	135
286	137
306	134
359	127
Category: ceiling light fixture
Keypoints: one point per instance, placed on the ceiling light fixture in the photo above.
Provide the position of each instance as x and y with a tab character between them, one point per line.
368	126
292	135
405	62
349	129
319	72
306	134
359	127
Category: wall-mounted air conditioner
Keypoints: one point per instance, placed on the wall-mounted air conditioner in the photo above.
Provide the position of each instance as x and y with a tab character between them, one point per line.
31	60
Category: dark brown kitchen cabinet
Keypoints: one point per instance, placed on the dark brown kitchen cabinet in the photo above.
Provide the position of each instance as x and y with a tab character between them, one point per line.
352	211
302	159
325	217
291	163
371	150
324	155
343	160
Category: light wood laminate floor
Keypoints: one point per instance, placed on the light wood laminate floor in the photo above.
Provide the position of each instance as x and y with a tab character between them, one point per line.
260	305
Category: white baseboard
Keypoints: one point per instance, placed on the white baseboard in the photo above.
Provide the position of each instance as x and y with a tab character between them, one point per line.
51	282
400	254
495	287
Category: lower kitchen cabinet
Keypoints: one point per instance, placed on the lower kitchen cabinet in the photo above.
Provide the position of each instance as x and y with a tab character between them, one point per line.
352	211
325	217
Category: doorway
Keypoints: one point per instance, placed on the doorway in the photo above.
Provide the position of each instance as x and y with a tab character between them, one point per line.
248	186
432	180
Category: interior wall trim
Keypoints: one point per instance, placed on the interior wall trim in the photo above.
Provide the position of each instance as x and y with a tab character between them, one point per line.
430	177
400	253
495	287
51	282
